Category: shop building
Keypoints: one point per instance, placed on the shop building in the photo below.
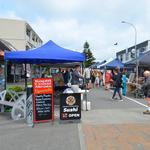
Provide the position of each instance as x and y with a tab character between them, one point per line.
129	54
19	33
4	45
16	35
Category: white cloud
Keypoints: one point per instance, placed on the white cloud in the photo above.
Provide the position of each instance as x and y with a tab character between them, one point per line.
71	22
10	15
72	34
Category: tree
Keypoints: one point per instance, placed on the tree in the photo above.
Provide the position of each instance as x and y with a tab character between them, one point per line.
88	54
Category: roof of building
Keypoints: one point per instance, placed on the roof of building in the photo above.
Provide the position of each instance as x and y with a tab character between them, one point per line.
140	45
4	45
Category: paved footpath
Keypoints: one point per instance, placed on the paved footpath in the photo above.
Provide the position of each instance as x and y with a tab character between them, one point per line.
110	125
114	125
46	136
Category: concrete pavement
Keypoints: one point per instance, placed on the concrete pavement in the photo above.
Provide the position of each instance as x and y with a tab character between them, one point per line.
115	125
110	125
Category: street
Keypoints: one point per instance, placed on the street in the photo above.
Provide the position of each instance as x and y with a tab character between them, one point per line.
110	125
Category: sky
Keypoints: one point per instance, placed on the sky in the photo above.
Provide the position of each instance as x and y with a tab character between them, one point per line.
70	23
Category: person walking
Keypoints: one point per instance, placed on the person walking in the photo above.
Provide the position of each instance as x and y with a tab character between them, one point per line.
117	79
146	89
124	82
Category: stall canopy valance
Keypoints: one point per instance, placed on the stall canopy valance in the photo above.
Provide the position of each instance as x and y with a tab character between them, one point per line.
48	53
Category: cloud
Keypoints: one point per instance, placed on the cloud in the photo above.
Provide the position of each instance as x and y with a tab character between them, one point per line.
10	15
72	22
70	33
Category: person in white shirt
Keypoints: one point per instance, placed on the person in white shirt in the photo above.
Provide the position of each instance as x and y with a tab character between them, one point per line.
87	76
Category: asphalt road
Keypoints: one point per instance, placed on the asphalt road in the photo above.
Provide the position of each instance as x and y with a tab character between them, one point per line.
101	99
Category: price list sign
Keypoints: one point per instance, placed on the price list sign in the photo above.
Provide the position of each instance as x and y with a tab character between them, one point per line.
43	103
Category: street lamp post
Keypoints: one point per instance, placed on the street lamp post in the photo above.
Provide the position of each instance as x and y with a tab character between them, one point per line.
135	48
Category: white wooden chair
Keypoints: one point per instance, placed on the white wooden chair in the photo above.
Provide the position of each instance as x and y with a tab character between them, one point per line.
2	100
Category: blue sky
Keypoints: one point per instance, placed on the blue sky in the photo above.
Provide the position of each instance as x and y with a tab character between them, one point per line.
72	22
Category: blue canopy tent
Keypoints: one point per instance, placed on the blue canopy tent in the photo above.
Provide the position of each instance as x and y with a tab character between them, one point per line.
113	64
95	65
48	53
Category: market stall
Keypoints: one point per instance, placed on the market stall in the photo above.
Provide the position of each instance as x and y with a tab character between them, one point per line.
115	63
49	53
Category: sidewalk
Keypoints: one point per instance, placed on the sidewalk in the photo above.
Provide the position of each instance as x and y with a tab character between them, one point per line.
115	125
110	125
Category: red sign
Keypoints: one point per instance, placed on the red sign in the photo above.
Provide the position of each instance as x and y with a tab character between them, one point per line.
43	99
42	85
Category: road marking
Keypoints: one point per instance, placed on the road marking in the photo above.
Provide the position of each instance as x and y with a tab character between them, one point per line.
135	101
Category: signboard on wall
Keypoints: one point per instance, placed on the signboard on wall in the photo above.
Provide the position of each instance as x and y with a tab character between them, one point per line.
70	106
43	103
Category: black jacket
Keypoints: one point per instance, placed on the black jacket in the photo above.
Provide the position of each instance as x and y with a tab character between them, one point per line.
75	78
146	87
117	80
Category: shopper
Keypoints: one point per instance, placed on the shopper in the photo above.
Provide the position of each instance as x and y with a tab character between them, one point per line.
146	89
92	78
117	80
97	81
87	76
124	82
108	77
76	76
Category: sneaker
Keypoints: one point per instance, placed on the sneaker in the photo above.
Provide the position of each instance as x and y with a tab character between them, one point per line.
113	98
146	112
121	100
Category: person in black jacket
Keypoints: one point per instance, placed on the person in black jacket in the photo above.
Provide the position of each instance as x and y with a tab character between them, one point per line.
146	89
117	82
76	76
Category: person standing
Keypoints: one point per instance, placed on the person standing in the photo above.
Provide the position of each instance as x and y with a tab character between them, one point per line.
117	79
92	78
67	76
146	89
87	76
76	76
124	82
97	81
107	79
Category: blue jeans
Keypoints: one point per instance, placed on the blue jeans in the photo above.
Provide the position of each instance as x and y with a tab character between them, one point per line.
117	90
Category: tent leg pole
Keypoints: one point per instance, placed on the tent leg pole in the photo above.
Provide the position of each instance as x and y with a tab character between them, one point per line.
25	76
14	73
86	100
5	67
